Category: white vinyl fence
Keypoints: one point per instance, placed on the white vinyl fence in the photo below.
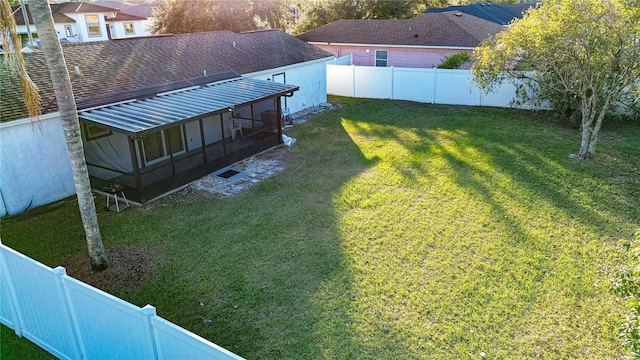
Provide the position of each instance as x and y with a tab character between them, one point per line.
73	320
437	86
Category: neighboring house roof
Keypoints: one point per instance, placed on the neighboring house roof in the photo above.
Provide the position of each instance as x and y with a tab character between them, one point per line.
58	11
499	14
447	29
142	10
113	4
62	19
116	70
120	16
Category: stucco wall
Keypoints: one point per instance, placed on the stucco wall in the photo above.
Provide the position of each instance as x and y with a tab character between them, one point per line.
396	56
34	166
310	76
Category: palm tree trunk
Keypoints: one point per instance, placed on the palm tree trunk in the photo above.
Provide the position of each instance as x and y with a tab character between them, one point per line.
52	51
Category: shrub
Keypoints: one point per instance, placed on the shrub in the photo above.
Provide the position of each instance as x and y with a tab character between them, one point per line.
455	61
626	285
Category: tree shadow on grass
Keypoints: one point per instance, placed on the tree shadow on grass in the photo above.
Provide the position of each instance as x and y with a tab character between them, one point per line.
550	214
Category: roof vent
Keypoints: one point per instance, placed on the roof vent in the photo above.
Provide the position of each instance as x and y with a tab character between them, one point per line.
458	14
76	70
415	35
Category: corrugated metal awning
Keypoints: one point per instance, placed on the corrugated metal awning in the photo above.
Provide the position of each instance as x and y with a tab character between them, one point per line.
139	117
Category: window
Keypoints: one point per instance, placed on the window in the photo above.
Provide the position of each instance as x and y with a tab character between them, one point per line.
160	145
68	31
92	132
381	58
128	29
93	25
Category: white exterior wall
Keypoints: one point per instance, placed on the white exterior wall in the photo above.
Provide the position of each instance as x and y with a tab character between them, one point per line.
311	77
34	165
81	26
118	30
80	31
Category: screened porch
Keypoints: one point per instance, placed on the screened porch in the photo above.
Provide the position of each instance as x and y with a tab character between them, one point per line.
159	144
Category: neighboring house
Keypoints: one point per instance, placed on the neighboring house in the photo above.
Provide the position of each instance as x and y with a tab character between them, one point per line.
144	11
85	22
159	112
420	42
500	14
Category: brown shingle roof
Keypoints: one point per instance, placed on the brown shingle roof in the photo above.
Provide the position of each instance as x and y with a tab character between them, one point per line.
128	65
432	29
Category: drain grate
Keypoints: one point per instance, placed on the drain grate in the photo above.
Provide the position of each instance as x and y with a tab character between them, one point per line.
227	174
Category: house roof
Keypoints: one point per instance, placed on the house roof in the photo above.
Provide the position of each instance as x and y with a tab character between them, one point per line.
447	29
121	16
499	14
164	110
118	70
142	10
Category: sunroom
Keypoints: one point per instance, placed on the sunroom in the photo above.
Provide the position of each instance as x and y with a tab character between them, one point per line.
150	146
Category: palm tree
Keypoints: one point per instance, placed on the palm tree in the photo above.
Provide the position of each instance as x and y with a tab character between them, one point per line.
52	51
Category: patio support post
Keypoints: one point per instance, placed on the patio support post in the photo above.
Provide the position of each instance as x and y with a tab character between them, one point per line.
224	141
203	146
136	166
253	125
278	102
173	165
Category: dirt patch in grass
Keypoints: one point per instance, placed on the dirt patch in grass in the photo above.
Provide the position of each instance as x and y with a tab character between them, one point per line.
129	266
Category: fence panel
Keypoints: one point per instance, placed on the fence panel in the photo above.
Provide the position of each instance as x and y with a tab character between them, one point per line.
414	84
7	312
177	343
40	304
73	320
439	86
373	82
456	87
109	327
340	80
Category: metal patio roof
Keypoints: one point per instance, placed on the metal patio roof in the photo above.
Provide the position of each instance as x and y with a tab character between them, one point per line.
139	117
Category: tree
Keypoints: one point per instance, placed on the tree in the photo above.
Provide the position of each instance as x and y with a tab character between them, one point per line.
315	13
190	16
585	51
12	44
52	51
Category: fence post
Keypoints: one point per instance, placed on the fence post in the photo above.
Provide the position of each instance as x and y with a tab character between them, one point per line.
435	84
393	85
13	302
353	80
71	314
150	311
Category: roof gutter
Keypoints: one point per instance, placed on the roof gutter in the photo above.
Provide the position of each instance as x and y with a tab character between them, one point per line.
279	69
394	46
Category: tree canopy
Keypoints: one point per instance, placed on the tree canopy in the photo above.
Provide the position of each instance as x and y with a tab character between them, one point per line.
583	52
189	16
185	16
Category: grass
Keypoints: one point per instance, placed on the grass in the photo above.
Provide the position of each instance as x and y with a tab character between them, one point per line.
398	231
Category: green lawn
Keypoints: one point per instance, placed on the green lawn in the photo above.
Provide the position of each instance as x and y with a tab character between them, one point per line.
398	230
